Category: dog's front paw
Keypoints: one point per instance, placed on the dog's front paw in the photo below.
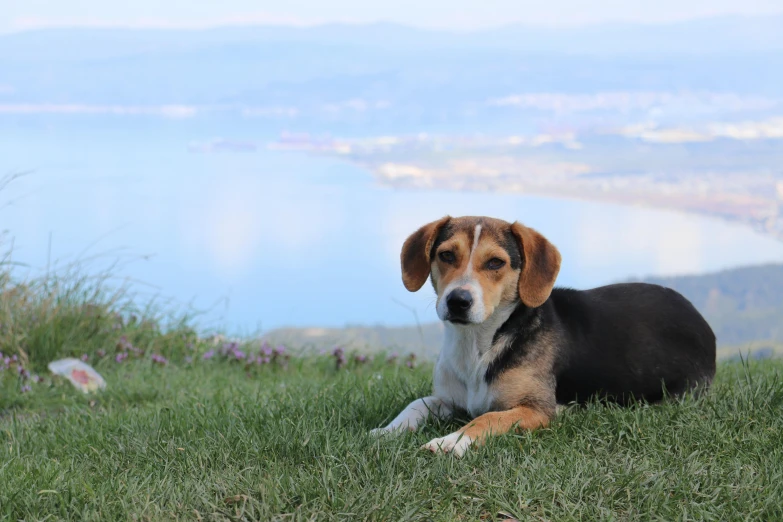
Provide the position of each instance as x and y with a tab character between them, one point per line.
455	443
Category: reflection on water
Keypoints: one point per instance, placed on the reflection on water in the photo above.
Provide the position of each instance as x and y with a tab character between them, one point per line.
284	239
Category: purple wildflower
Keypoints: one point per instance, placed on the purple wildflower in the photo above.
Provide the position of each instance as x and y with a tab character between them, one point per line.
208	355
124	345
159	359
392	358
85	357
339	357
101	353
121	357
26	388
228	348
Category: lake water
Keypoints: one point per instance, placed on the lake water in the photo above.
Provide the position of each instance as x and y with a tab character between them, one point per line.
267	239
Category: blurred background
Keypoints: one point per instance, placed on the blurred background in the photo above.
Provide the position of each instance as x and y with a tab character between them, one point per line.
261	163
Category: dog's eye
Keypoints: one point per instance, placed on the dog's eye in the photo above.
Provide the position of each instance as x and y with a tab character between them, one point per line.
446	256
495	263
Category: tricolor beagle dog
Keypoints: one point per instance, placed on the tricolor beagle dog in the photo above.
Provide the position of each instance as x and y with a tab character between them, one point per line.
516	347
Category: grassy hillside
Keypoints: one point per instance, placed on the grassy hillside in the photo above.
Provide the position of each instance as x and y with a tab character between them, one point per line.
211	440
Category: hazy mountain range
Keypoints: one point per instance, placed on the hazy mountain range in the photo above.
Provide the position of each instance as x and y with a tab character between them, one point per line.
707	35
385	73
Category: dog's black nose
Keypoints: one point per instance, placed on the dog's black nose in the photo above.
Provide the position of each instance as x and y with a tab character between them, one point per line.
459	302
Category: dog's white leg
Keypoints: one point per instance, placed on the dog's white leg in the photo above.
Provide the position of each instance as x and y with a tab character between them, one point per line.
415	414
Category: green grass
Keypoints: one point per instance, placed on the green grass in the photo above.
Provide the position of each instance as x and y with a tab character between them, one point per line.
216	440
209	440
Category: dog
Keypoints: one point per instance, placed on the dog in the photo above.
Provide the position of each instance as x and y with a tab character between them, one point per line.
516	347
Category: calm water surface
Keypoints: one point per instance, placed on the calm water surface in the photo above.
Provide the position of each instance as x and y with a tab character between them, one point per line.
268	238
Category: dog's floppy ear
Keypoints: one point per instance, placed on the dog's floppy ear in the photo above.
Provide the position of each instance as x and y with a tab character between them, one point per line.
540	267
415	255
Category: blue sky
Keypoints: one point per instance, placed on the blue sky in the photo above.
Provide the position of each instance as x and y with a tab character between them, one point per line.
455	14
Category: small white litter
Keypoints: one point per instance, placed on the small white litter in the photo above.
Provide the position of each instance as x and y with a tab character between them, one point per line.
81	375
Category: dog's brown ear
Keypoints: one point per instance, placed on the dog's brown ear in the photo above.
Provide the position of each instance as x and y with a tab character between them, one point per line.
540	266
415	255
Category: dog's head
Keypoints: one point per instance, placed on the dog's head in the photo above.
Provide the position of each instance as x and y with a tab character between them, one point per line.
478	265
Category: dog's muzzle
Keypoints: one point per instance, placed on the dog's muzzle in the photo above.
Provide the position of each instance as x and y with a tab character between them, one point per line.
458	303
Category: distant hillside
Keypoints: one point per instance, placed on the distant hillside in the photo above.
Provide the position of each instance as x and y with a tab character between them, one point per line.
425	341
744	306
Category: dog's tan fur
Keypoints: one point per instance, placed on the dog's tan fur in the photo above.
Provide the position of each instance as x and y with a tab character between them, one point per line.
415	255
541	267
531	383
499	422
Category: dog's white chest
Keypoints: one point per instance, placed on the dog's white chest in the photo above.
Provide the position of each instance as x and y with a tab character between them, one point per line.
460	371
480	395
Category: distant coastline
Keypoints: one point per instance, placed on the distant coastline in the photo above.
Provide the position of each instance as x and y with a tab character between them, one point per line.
564	166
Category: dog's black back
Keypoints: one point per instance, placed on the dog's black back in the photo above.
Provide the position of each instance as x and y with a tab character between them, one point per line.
627	342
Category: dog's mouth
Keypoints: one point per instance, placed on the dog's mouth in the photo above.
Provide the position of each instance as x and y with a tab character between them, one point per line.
457	320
